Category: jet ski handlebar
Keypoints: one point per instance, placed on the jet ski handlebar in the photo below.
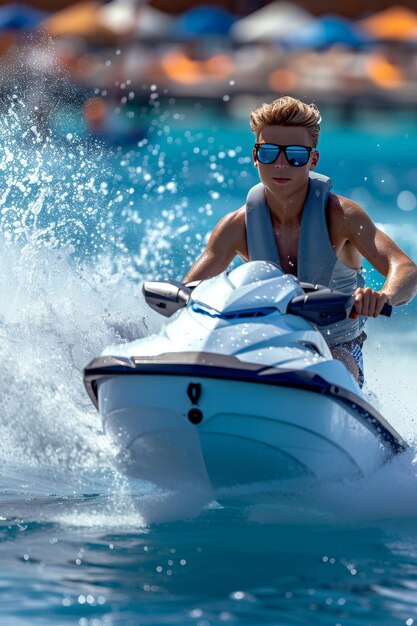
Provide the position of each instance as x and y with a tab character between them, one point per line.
324	306
318	304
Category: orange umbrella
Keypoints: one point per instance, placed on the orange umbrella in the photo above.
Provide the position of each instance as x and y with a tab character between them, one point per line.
80	20
178	67
395	23
384	73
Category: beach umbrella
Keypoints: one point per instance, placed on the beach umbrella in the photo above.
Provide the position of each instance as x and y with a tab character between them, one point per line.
383	72
151	22
19	16
118	15
397	23
180	68
327	31
273	22
204	20
79	20
136	17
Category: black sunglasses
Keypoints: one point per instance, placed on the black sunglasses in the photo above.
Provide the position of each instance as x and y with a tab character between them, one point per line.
297	156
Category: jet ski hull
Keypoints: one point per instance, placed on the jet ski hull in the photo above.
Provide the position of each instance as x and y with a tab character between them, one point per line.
211	420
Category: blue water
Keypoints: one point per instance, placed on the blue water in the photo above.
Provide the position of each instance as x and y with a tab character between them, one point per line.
81	225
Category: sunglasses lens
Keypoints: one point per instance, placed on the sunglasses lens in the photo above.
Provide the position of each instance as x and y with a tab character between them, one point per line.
267	153
297	155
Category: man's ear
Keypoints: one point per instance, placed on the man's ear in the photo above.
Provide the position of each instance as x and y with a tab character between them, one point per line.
314	160
255	160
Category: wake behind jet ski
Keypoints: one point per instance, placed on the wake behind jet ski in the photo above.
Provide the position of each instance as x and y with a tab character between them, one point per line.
239	387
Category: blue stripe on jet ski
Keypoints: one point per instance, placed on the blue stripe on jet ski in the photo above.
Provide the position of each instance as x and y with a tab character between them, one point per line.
231	316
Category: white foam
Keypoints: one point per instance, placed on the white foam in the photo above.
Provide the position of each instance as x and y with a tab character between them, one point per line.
55	316
390	364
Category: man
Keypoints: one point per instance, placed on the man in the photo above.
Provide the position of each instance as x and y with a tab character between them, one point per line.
291	218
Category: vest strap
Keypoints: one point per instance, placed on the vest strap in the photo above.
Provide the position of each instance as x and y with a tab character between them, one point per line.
316	259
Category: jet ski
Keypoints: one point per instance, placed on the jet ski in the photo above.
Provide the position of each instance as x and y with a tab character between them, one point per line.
239	387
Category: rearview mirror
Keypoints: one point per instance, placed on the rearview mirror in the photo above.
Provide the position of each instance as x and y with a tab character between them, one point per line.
166	297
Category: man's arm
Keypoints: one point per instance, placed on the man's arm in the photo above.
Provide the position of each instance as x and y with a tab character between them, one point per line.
385	256
227	239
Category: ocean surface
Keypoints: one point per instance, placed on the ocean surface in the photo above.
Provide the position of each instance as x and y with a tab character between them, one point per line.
82	223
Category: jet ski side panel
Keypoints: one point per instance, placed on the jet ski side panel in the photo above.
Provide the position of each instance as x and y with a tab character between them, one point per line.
222	367
247	432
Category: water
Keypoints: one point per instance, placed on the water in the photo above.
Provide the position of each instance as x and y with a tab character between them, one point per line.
82	224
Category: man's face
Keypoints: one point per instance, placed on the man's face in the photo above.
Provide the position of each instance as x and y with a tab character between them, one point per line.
281	178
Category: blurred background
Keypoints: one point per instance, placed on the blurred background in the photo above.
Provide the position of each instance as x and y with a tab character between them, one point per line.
360	54
130	118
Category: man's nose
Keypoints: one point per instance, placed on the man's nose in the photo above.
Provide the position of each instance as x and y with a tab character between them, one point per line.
281	161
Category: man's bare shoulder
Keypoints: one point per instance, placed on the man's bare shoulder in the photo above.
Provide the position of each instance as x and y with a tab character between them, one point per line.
229	234
231	225
345	214
341	206
234	218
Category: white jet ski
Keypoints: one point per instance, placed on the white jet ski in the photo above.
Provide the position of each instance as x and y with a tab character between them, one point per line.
239	387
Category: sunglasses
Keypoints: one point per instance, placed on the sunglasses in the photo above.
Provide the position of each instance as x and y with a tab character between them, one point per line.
297	156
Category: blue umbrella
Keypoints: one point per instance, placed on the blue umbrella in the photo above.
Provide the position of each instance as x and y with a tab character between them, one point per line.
204	20
327	31
18	16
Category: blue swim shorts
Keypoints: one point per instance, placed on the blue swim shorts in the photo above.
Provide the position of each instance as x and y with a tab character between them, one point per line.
354	348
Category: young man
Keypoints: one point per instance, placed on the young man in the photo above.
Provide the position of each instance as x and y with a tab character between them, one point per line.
291	218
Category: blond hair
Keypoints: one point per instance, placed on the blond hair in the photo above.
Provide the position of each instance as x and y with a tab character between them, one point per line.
287	111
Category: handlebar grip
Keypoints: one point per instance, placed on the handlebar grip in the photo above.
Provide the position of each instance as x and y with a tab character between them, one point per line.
386	310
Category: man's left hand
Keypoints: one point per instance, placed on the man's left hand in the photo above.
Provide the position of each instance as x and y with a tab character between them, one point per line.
368	302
